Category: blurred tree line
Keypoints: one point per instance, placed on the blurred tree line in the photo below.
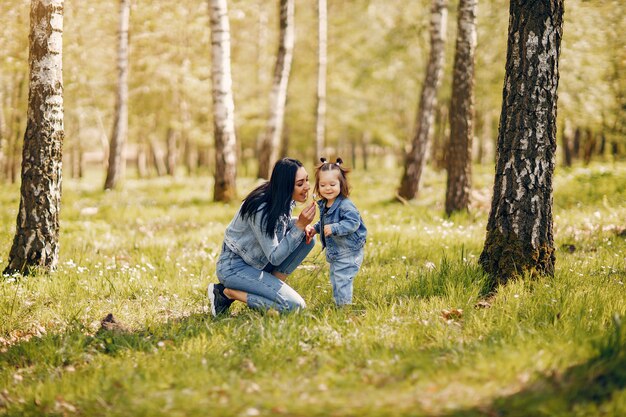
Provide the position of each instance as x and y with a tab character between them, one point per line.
377	50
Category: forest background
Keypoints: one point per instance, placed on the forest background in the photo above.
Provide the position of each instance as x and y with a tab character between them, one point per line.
425	335
377	53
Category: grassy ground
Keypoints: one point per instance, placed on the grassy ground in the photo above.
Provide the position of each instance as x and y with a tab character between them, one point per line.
413	344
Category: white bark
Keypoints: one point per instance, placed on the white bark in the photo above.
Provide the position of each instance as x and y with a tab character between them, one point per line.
320	125
278	96
415	160
115	169
37	232
520	228
223	104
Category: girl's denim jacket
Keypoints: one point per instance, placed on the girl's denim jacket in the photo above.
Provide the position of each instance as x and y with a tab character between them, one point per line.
348	230
248	239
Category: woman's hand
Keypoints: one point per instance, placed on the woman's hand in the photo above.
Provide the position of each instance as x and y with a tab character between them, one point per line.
306	217
328	231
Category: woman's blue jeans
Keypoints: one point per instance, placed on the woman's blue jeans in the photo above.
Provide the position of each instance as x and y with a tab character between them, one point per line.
264	289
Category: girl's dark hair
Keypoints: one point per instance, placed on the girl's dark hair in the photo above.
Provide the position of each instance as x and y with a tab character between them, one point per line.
276	193
333	166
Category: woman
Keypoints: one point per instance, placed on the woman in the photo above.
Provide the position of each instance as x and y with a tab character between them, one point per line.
263	244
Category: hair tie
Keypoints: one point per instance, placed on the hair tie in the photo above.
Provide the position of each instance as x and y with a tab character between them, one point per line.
323	160
339	161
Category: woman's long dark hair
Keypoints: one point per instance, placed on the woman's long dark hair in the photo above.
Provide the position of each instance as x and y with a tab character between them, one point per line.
276	193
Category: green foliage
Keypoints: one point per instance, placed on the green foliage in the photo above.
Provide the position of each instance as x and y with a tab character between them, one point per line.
376	63
421	339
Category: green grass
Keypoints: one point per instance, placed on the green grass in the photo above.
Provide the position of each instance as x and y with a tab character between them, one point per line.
548	347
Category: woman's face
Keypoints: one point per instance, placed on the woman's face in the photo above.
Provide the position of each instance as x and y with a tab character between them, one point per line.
302	187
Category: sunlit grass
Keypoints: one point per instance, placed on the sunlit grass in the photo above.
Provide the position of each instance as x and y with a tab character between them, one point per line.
414	343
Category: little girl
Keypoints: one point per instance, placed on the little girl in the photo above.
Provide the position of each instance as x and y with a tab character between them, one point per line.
341	228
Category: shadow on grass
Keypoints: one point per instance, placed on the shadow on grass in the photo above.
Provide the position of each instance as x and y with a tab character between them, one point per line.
78	345
438	281
587	385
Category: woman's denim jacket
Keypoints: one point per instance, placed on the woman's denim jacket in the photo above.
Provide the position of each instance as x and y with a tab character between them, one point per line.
248	239
348	231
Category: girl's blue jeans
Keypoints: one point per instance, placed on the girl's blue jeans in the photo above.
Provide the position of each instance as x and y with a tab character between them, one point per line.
264	289
342	273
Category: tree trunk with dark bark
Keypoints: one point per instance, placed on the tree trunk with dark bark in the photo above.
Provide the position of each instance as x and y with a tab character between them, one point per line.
3	131
414	162
459	157
566	144
365	142
268	152
602	146
223	105
158	156
576	143
590	146
14	130
14	149
76	151
519	237
116	166
172	151
486	141
439	144
36	242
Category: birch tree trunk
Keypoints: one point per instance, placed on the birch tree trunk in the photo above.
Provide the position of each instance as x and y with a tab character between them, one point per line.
158	156
589	146
116	166
36	242
439	144
519	231
2	134
576	143
185	117
142	159
268	153
262	75
15	127
223	105
566	145
14	148
320	115
76	150
459	157
414	162
171	138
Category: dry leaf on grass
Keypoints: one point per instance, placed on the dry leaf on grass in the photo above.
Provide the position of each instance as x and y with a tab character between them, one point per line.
453	314
110	323
482	304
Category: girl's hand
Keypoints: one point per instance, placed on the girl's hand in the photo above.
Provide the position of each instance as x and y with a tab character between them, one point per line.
306	217
328	231
310	232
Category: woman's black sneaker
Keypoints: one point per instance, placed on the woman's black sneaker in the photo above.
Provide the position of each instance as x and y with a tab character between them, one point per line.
219	302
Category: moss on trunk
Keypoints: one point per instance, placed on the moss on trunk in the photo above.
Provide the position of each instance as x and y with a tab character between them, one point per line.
505	257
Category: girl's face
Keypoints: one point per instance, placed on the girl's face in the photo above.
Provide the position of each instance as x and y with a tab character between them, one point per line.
302	186
329	184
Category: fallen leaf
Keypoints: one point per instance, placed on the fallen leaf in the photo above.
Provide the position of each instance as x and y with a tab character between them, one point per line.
248	365
453	314
111	324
